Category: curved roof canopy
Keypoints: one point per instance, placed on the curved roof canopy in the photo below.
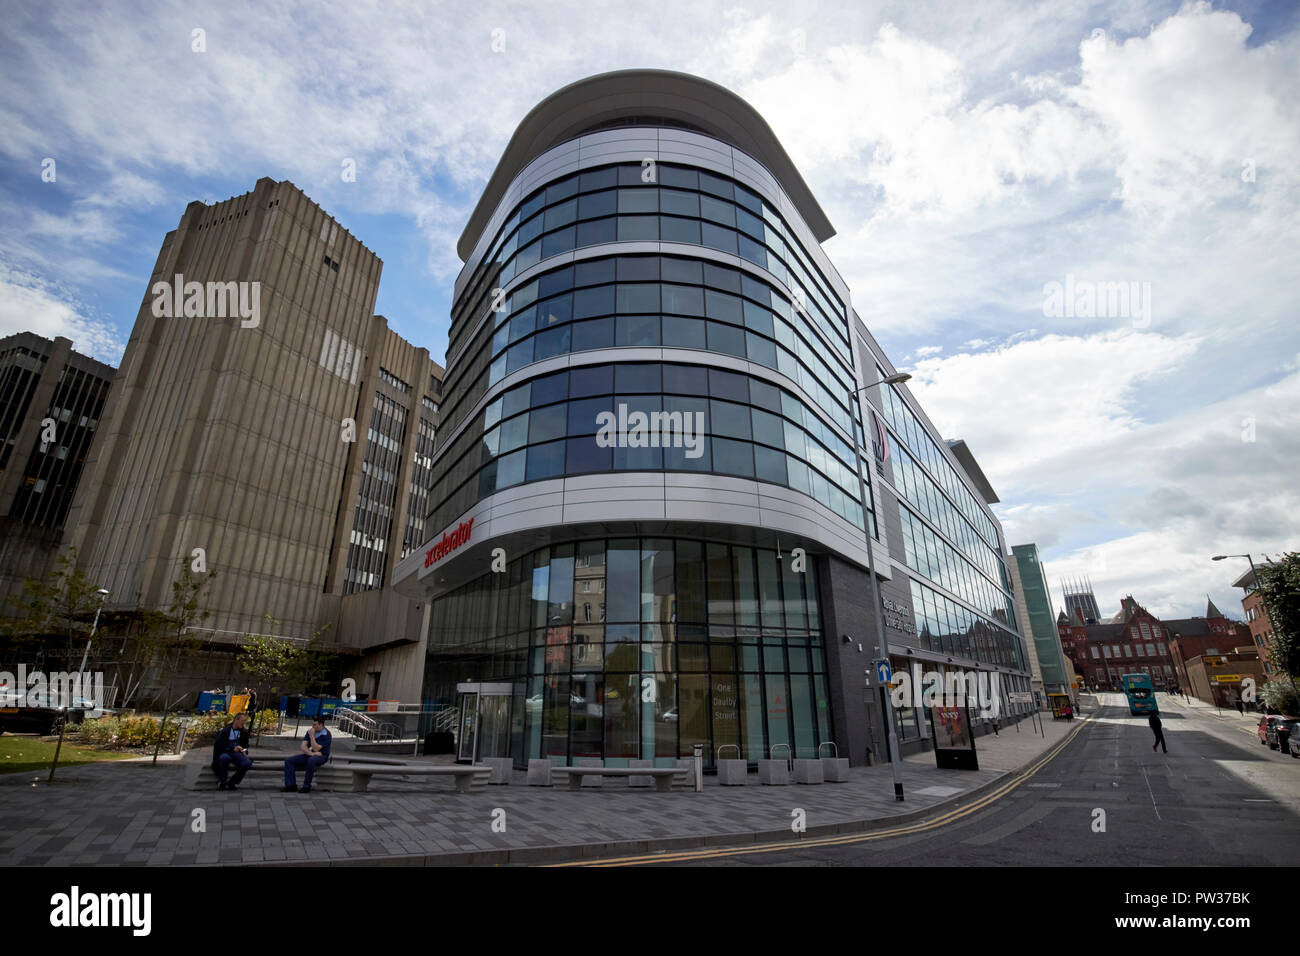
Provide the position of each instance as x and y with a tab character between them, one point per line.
676	98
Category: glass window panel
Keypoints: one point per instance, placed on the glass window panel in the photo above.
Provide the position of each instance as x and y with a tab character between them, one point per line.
633	228
681	270
514	433
638	200
584	455
598	300
769	465
640	269
596	231
552	342
510	469
550	388
591	380
583	415
519	355
599	178
552	312
593	334
760	350
622	716
729	419
678	176
681	332
634	330
660	718
685	379
546	424
717	211
683	299
679	203
679	459
765	396
758	319
727	339
593	272
770	589
716	185
768	428
641	377
798	475
778	712
545	461
722	306
680	230
721	277
718	237
728	385
752	251
597	204
638	459
561	190
561	214
733	457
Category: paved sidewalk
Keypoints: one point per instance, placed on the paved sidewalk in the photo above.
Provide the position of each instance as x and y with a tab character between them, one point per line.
137	814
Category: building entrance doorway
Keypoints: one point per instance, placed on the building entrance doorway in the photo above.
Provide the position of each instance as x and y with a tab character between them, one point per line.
484	726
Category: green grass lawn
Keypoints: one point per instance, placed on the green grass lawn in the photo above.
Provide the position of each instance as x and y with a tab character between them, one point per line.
24	754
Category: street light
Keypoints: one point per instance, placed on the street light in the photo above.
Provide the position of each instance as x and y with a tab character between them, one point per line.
94	627
883	649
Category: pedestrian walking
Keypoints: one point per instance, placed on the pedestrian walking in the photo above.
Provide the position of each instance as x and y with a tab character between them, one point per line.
1154	721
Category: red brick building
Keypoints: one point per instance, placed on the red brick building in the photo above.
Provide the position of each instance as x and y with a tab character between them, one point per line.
1133	641
1257	619
1196	637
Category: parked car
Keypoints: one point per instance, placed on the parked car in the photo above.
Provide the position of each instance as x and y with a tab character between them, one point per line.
1279	731
1265	726
1293	744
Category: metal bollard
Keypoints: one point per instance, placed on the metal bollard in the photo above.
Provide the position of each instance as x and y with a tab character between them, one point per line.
699	768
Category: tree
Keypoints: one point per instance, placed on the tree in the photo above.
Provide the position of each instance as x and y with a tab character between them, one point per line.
166	635
268	660
312	666
1280	696
1279	587
63	605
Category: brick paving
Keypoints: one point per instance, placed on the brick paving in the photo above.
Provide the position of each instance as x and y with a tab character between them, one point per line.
136	814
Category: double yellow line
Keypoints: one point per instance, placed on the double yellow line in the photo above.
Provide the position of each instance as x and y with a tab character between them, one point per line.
788	845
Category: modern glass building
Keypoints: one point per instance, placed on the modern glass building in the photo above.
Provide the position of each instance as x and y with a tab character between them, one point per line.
653	489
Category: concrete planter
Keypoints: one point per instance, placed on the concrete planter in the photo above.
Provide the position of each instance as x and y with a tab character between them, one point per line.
640	781
733	773
502	769
588	780
773	773
539	773
808	771
835	769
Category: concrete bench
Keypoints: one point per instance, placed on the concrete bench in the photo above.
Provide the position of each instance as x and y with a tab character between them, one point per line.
199	775
663	777
468	777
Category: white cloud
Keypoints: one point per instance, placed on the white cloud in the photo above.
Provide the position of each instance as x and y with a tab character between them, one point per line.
28	304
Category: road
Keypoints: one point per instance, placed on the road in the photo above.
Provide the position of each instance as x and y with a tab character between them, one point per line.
1217	798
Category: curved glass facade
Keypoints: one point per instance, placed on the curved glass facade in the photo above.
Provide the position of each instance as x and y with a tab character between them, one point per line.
640	648
547	428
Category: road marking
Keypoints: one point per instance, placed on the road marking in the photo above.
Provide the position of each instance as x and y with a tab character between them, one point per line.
949	817
1028	818
1153	796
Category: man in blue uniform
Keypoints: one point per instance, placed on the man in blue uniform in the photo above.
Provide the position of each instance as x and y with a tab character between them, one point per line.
315	751
231	747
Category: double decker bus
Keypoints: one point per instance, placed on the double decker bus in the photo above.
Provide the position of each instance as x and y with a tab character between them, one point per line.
1140	693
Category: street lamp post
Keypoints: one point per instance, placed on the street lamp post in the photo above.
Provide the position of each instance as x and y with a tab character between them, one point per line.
882	646
93	628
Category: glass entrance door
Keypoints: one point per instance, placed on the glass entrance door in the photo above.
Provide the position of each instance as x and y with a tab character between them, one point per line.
468	728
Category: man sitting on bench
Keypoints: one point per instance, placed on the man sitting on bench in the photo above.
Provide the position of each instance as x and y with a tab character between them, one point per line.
315	751
231	747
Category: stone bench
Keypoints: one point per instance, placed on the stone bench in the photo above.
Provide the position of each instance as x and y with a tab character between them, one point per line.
663	777
467	777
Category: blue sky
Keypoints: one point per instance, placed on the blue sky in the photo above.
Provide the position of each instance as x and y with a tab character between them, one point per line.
968	155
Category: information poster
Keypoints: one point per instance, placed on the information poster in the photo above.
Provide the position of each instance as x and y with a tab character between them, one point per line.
954	744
